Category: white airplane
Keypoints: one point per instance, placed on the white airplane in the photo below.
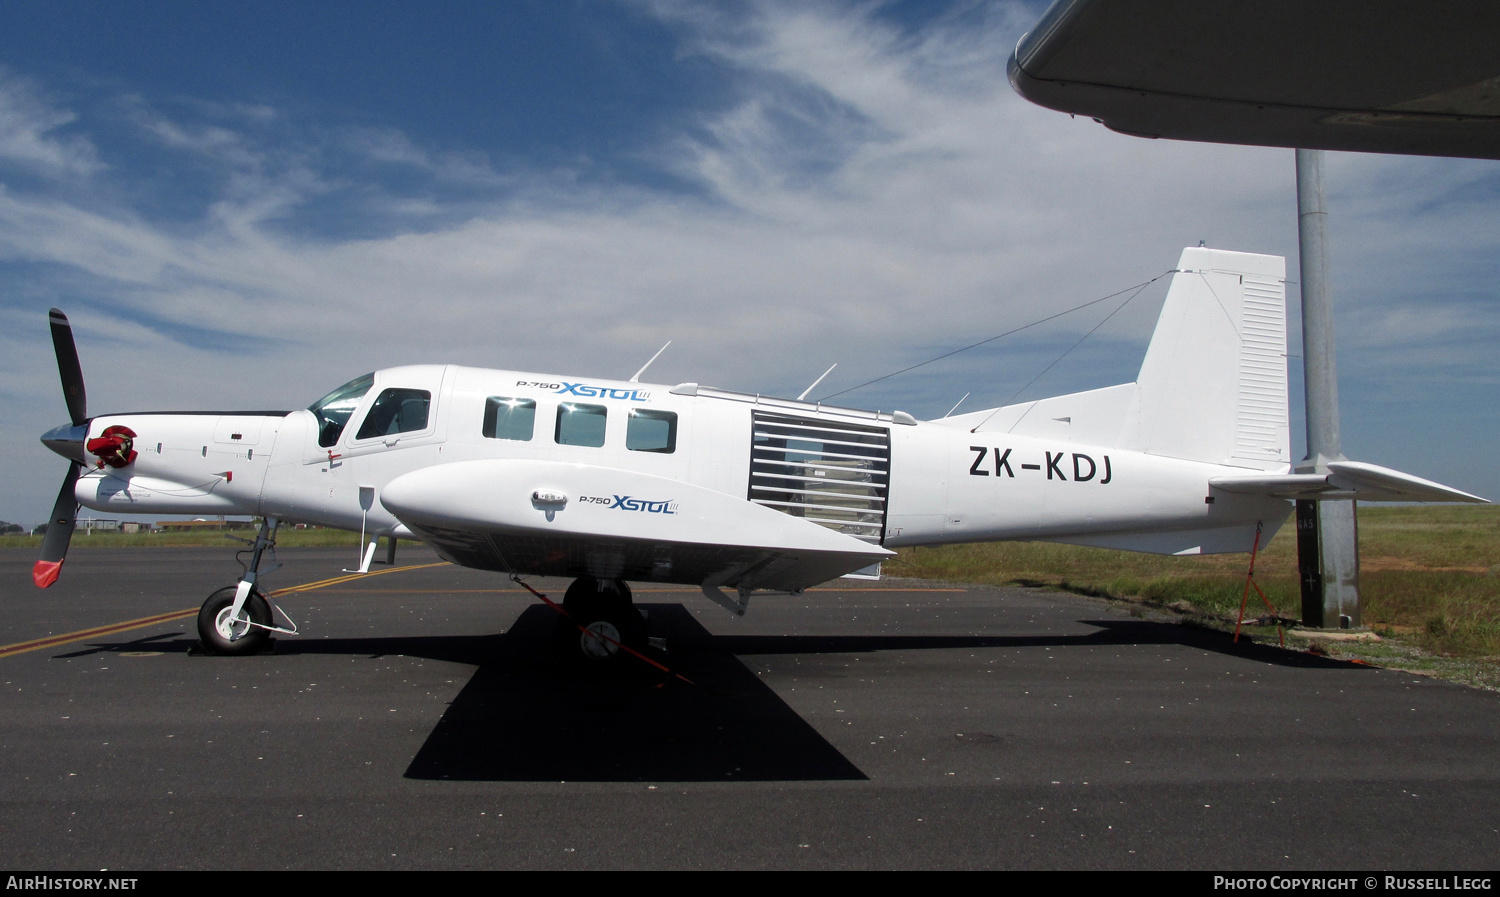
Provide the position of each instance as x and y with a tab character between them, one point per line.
618	481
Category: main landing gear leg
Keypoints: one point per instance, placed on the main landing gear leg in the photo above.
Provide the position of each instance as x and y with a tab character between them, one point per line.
238	619
600	619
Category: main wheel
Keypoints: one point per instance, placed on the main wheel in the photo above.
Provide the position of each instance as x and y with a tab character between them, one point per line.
608	621
221	635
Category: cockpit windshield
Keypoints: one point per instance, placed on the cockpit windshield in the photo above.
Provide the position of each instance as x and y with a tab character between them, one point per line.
333	410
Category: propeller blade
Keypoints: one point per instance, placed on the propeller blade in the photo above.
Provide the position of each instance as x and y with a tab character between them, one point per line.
59	531
68	367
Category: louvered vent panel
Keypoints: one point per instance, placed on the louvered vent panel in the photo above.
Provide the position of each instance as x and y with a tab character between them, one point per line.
829	472
1261	421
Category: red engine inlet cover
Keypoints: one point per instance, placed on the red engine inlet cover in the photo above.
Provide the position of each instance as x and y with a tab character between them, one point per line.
115	446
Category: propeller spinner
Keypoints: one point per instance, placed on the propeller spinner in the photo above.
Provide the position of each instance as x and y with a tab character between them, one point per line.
68	442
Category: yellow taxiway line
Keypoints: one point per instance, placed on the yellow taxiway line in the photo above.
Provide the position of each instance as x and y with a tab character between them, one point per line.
53	641
325	583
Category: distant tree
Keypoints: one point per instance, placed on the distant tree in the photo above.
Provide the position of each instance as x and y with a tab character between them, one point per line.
8	528
40	530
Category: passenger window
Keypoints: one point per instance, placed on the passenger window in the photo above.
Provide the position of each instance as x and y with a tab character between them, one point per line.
396	411
509	418
579	424
651	431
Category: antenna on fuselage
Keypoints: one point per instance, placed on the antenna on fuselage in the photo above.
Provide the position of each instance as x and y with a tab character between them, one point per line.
637	377
955	406
817	381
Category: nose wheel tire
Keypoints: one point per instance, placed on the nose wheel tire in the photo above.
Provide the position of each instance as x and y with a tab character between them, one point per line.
222	635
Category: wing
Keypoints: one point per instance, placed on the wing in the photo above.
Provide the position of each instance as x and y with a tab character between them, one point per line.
556	519
1412	78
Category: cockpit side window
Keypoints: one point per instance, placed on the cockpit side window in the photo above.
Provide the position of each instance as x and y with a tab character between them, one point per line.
333	410
396	411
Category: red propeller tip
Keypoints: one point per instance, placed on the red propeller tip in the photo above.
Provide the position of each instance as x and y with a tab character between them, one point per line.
45	573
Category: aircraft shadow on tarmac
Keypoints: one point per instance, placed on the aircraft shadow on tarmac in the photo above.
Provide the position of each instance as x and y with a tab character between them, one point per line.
522	718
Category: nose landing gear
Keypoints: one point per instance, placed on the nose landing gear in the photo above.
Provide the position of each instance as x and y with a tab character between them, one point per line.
238	619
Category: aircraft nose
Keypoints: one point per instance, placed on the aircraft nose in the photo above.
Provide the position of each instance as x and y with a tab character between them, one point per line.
67	440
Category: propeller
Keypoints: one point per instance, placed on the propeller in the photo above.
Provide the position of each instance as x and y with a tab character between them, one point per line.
68	367
66	441
59	531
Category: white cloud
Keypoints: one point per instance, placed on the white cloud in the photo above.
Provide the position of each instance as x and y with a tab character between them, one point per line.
28	132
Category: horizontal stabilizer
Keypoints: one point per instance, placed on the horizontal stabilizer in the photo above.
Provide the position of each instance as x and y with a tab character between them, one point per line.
1345	480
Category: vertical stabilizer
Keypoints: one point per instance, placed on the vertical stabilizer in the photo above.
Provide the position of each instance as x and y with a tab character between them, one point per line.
1213	386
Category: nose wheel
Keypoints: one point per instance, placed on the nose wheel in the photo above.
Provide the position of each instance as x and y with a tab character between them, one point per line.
224	628
223	632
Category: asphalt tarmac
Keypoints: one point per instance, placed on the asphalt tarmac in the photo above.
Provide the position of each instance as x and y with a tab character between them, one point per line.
420	722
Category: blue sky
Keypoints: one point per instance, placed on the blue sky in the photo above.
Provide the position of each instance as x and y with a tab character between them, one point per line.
244	206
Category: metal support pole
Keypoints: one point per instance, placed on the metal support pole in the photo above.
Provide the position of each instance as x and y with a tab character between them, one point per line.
1327	537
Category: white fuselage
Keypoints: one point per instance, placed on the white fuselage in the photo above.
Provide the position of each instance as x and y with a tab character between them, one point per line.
940	482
